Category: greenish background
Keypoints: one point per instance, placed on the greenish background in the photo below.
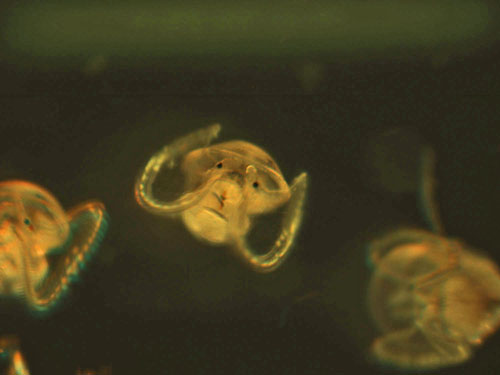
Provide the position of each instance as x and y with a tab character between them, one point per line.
347	91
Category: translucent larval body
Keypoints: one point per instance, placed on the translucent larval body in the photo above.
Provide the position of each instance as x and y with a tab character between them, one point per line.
433	298
226	186
42	247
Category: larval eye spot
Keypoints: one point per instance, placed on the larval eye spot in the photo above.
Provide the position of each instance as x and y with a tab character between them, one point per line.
226	186
39	227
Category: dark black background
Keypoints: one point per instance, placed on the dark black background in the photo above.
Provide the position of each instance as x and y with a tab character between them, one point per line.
155	300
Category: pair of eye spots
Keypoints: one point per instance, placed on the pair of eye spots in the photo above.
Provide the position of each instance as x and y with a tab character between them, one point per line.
219	165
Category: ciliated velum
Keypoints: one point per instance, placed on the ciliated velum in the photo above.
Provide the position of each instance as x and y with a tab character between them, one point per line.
433	297
42	247
226	184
